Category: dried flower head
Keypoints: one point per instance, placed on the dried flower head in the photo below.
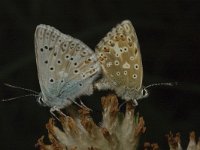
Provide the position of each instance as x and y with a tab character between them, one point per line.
118	131
149	146
175	142
192	143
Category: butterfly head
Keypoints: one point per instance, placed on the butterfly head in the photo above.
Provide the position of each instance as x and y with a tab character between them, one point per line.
133	94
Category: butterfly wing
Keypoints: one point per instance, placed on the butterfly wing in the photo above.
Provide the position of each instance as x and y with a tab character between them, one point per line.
120	59
66	66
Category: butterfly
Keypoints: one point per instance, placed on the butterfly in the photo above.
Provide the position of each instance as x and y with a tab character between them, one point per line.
120	59
66	67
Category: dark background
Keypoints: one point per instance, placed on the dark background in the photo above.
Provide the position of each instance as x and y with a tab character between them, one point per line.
168	33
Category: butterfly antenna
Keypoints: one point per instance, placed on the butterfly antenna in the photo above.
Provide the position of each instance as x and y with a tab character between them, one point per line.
79	105
18	97
161	84
17	87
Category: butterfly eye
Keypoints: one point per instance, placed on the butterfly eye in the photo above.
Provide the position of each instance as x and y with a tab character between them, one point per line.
144	92
40	100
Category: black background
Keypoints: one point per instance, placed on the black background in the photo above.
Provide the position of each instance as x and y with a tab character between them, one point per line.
168	33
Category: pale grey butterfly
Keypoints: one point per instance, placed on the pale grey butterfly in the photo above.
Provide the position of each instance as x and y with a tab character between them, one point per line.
121	63
66	67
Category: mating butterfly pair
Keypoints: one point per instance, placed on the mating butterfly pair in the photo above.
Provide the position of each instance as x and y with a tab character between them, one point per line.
67	68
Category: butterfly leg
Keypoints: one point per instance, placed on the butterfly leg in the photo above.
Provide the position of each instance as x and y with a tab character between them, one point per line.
54	108
53	114
84	106
81	106
135	103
